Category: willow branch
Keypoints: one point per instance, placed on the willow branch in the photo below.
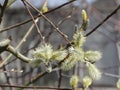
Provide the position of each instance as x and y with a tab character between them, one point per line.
60	78
110	15
7	77
3	9
17	54
20	43
5	46
52	24
29	20
33	87
39	75
111	75
38	30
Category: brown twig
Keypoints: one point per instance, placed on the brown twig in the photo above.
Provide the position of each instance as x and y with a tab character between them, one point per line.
29	20
60	79
52	24
33	87
3	9
37	28
111	14
7	77
111	75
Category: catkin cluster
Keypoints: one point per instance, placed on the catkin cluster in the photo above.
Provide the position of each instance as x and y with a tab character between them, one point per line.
71	55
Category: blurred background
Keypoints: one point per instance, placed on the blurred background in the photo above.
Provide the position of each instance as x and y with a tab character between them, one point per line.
106	39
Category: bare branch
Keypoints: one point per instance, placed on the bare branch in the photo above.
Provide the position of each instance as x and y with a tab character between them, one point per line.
33	87
17	54
52	24
3	9
29	20
38	30
4	44
60	78
110	15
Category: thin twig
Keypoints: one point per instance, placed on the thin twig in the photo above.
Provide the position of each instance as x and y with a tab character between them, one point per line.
111	14
20	43
29	20
37	28
64	19
33	87
39	75
3	9
7	77
55	27
111	75
60	78
23	52
18	54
